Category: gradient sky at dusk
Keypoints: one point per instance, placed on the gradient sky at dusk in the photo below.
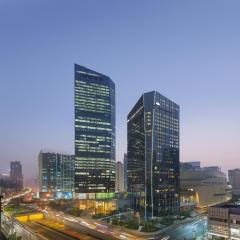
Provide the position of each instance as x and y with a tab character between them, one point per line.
187	50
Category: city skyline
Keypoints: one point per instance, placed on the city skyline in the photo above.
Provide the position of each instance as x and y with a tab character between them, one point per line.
165	49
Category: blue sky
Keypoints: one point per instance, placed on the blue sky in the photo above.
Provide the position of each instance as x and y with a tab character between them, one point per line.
187	50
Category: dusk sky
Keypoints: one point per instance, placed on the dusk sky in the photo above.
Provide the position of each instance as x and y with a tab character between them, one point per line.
189	51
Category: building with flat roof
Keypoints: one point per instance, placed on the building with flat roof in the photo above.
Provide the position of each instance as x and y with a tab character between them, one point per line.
208	184
196	165
16	174
224	222
234	180
153	155
56	174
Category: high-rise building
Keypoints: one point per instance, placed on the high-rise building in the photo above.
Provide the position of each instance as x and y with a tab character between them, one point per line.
119	177
56	172
234	180
153	155
16	174
125	171
94	133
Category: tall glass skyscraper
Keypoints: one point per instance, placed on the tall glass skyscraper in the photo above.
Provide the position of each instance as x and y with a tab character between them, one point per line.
94	133
153	155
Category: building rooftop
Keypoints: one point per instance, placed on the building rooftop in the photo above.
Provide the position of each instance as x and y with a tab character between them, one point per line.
232	207
227	205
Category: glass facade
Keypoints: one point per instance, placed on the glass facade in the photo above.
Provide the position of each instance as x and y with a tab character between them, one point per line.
153	155
56	172
94	132
16	174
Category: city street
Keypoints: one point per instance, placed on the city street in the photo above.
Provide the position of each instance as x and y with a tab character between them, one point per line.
69	227
196	228
92	227
47	233
193	230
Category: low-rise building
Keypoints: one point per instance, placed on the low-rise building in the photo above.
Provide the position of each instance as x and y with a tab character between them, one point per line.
209	186
224	222
188	200
234	180
194	165
56	174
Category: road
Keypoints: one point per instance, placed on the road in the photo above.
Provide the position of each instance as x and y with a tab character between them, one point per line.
195	229
43	230
188	230
24	192
92	227
47	233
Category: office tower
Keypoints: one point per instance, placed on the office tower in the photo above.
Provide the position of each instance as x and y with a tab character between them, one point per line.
234	180
94	134
153	155
56	172
125	171
16	174
119	177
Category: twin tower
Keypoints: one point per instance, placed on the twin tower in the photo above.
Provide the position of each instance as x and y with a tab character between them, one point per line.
152	145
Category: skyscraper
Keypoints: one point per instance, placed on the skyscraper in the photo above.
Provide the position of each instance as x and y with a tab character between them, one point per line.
94	133
55	172
153	155
16	174
119	177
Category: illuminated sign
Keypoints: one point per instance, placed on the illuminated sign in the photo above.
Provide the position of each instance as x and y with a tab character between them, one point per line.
105	195
82	196
235	231
64	195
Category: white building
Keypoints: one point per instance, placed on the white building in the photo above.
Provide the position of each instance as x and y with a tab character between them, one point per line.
119	184
209	185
